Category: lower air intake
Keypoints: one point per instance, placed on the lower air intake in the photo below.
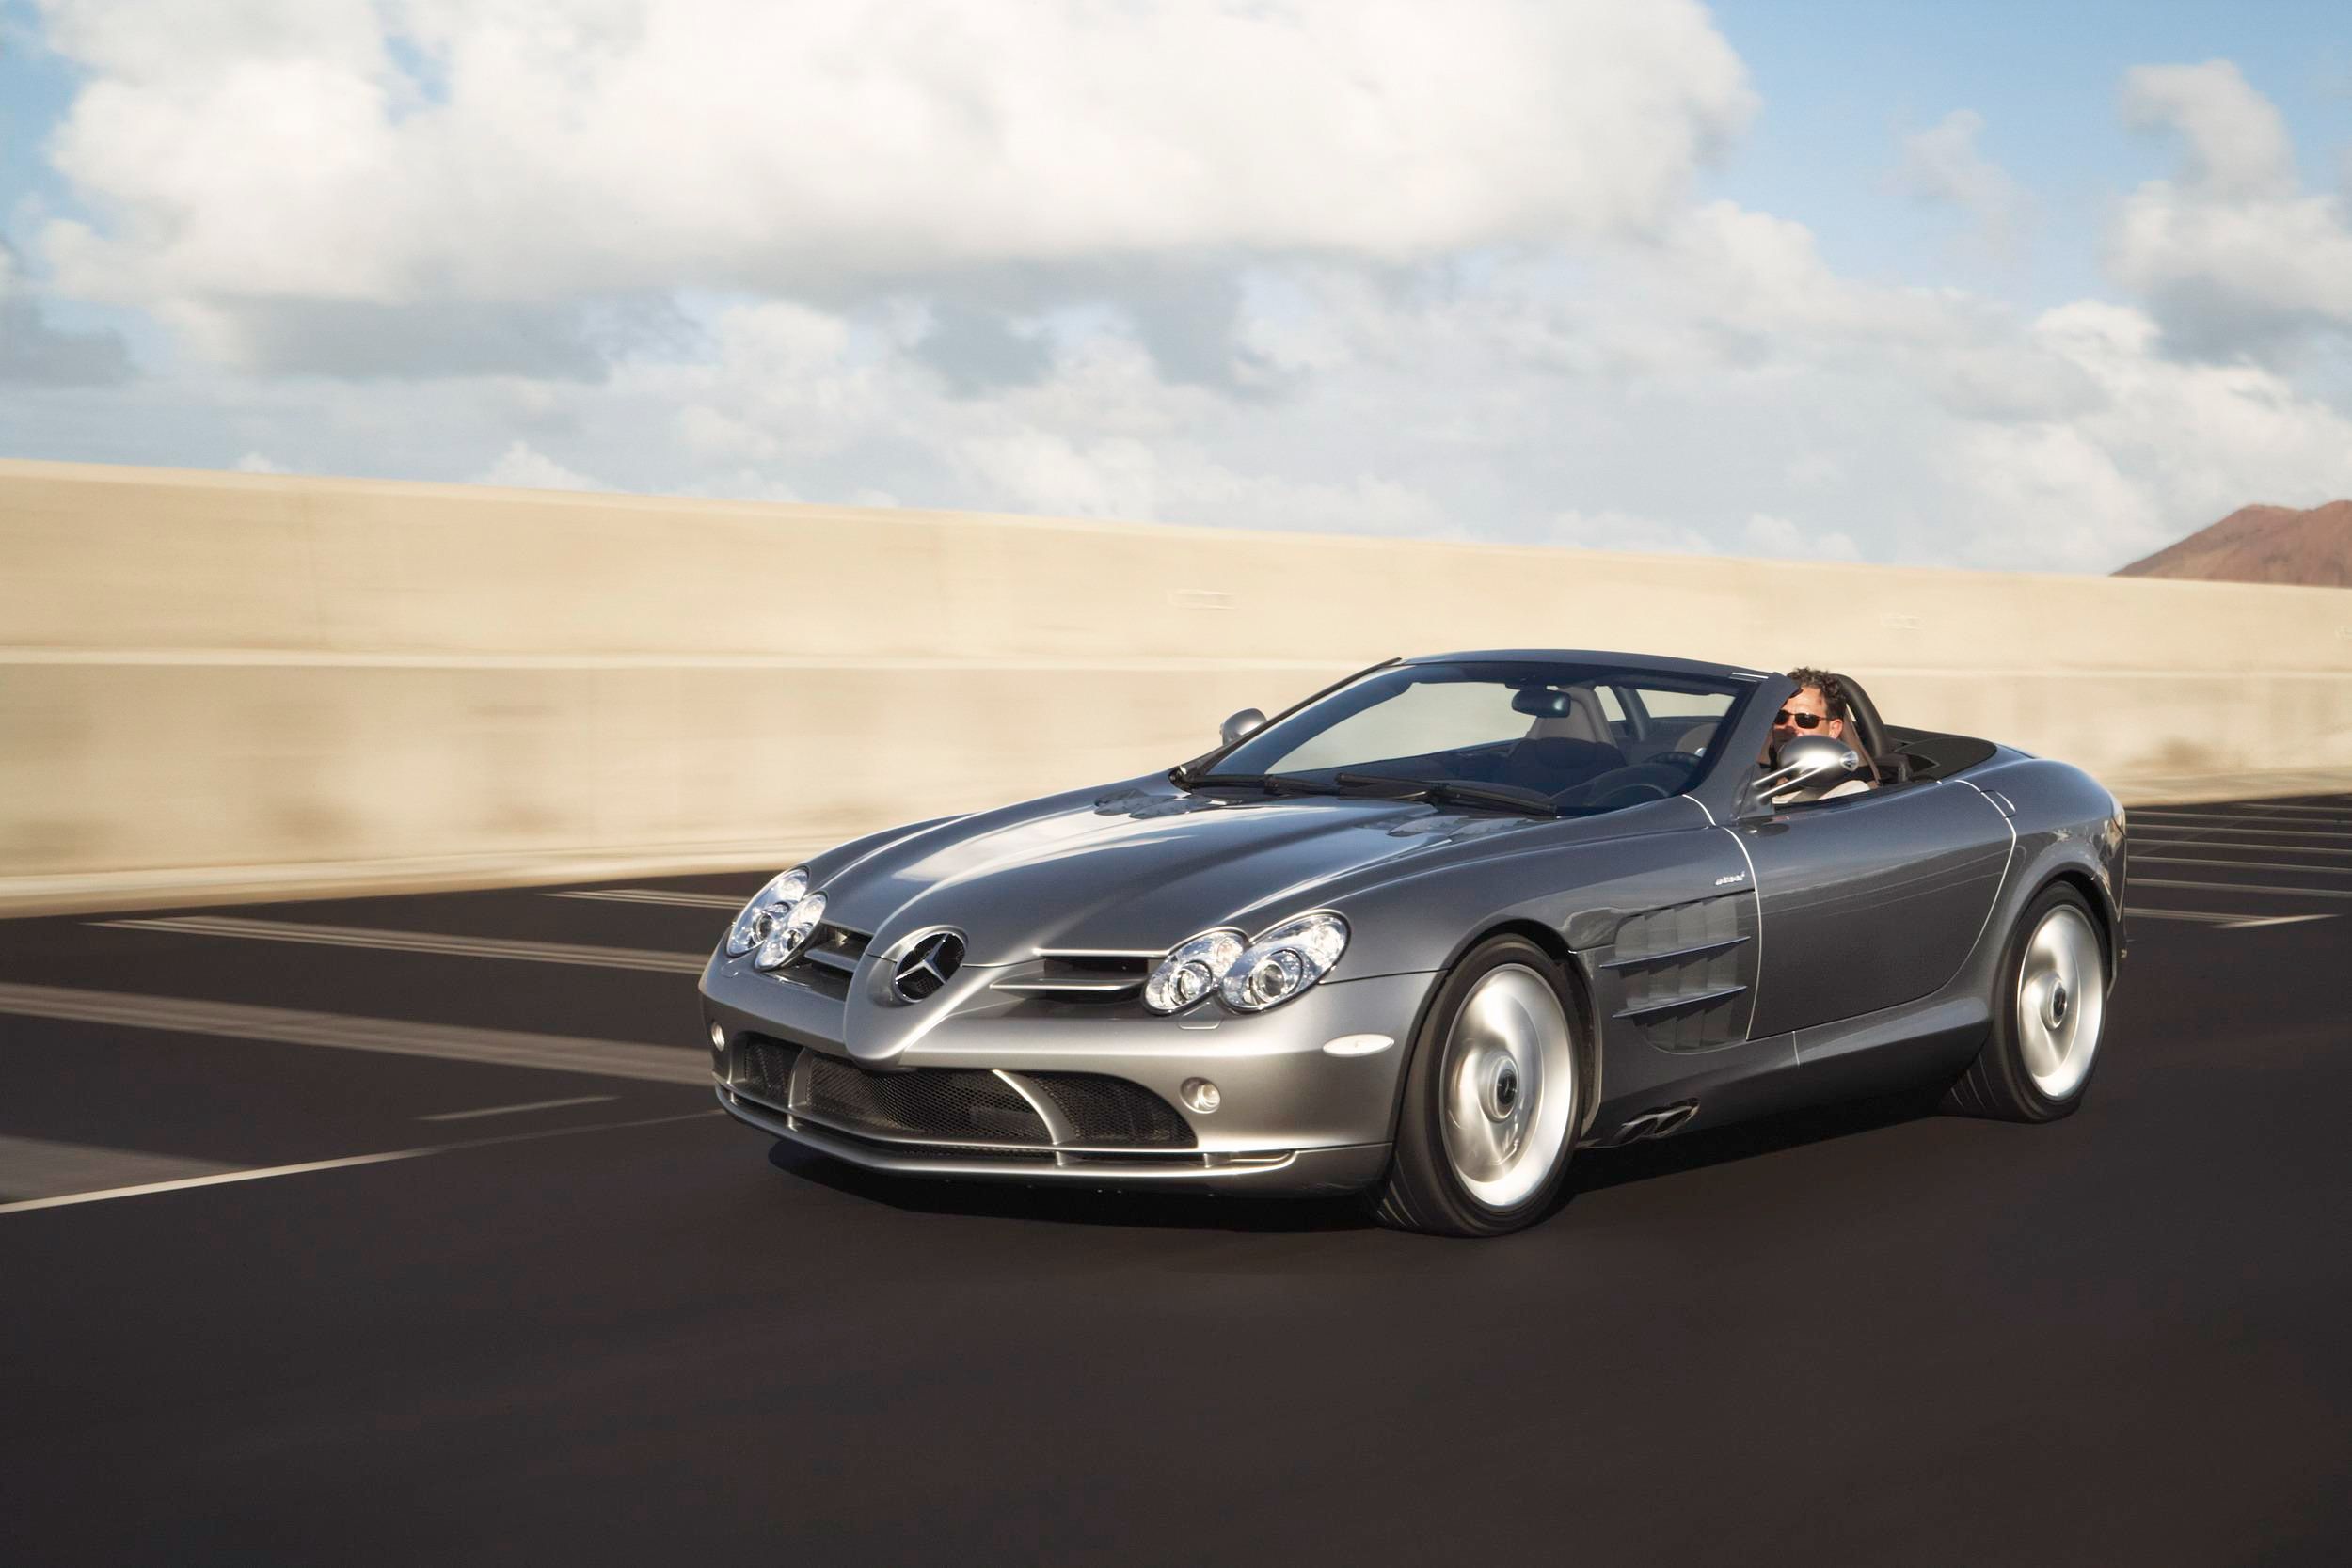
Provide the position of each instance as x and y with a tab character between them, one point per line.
763	1067
1111	1111
945	1103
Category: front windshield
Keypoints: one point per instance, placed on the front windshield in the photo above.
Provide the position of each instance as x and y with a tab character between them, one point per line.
1583	737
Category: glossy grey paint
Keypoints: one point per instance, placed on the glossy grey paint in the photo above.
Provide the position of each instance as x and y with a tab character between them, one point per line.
1862	957
1872	900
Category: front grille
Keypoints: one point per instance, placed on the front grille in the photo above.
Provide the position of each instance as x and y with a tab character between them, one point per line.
925	1103
805	971
827	961
763	1067
1082	979
1113	1111
829	940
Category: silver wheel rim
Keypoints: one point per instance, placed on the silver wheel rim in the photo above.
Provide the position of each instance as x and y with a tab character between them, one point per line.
2061	1000
1507	1086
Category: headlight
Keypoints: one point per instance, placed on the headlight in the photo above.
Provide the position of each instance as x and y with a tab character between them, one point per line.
770	907
1283	961
1192	970
785	939
1248	975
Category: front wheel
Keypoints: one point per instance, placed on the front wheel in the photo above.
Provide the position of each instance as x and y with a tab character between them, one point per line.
1492	1098
2047	1017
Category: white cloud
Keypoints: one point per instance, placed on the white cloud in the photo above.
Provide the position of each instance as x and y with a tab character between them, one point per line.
34	351
1762	535
1779	536
521	468
2232	254
1058	260
279	148
254	462
1942	163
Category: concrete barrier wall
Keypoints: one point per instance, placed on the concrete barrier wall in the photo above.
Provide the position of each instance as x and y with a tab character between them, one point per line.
218	686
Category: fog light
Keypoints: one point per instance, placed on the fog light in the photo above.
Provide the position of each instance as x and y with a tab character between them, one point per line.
1202	1095
718	1037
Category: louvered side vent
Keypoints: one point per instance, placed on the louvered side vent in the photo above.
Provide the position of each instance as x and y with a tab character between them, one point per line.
1684	972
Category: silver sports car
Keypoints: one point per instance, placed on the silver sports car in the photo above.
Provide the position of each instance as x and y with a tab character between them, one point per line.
1427	934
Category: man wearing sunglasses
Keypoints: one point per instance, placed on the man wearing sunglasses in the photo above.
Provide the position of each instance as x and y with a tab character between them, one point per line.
1817	707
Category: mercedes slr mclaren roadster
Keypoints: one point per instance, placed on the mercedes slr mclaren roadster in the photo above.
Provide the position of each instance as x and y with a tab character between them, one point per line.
1429	933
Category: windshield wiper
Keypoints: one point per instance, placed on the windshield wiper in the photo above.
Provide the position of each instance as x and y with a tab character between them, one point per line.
1460	791
1273	784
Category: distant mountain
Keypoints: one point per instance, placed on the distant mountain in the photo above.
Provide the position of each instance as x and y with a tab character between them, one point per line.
2262	544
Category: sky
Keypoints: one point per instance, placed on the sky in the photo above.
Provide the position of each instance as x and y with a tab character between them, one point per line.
2025	287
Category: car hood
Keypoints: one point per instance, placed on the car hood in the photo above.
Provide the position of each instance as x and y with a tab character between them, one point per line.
1132	868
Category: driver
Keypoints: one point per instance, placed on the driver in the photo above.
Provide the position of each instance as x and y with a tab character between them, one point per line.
1818	706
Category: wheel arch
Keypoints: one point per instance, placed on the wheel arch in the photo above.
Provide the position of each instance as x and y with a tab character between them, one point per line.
2102	911
1580	1003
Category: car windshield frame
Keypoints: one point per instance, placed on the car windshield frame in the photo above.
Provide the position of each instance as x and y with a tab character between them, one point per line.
1235	766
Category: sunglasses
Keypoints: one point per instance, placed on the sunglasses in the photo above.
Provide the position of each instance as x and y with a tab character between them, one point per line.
1802	720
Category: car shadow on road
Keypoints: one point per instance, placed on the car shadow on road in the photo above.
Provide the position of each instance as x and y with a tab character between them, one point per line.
1598	1169
1138	1209
1594	1170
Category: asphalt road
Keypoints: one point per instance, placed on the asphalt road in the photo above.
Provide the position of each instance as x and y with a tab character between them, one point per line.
585	1318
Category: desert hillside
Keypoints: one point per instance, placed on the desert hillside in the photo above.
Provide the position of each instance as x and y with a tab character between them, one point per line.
2261	544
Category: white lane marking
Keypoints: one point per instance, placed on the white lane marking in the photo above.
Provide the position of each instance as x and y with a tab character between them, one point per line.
2243	866
518	1109
657	896
285	1025
2226	922
2226	825
2298	816
379	940
2201	842
266	1172
36	1167
2246	887
223	1178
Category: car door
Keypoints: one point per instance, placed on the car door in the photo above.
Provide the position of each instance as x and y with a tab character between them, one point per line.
1868	901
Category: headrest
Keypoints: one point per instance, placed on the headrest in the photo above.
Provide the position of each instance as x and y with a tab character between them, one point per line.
1566	713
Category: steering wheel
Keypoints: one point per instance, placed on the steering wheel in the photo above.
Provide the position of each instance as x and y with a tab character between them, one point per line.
1685	759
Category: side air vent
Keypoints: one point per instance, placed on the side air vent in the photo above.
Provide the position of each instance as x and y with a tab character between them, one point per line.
1683	973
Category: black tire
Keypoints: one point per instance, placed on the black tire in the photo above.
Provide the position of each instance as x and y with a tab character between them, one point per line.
2000	1084
1423	1190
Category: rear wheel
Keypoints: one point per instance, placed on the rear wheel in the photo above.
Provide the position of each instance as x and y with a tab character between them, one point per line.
2047	1017
1492	1098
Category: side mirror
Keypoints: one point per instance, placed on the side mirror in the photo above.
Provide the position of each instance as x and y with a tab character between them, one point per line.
1805	759
1249	721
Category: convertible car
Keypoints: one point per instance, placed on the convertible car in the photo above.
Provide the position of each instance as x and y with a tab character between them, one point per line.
1429	933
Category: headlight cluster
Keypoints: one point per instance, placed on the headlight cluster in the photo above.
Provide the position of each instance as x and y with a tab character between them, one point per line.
1247	973
776	922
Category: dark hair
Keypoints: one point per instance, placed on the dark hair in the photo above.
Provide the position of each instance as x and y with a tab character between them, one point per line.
1833	690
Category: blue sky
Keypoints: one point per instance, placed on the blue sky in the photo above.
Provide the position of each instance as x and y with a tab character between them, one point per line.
1311	265
1841	80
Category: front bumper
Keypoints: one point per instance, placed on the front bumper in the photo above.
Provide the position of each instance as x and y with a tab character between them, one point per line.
1291	1117
1304	1172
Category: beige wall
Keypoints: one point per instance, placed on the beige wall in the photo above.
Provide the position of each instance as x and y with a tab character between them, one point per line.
219	685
